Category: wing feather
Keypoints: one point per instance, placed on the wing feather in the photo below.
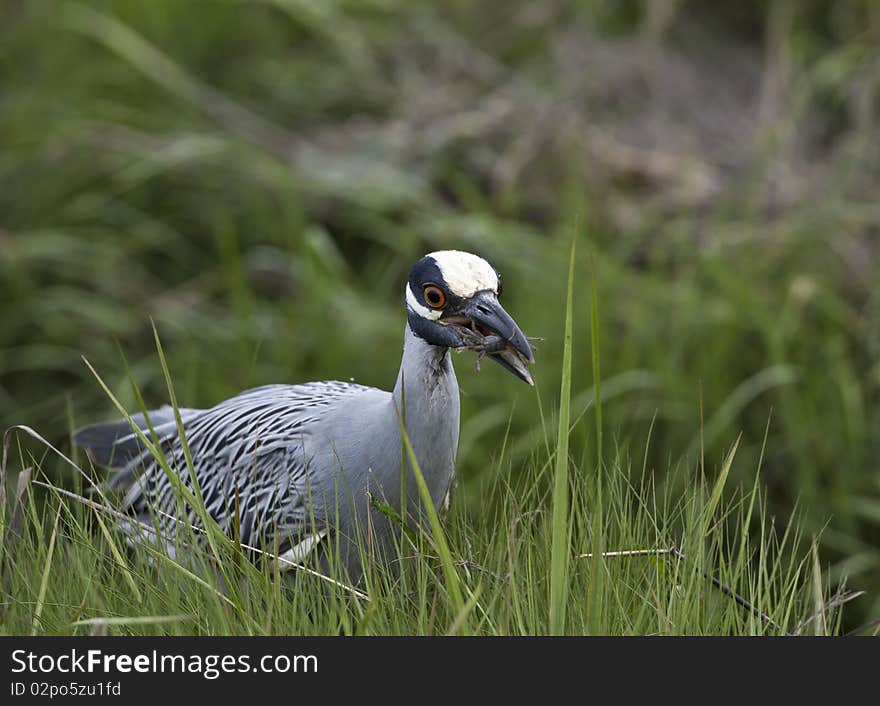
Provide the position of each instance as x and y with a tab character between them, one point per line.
250	444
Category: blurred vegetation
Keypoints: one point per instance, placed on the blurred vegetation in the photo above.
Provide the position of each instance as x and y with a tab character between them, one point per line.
258	176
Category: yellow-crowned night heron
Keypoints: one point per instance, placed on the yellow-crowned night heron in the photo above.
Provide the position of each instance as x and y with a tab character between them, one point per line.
299	461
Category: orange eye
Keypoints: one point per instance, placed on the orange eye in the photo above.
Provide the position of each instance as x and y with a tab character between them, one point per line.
435	296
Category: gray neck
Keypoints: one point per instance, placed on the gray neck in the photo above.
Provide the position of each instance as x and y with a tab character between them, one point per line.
428	389
426	378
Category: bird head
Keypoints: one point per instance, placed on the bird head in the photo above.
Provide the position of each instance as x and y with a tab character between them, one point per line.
452	301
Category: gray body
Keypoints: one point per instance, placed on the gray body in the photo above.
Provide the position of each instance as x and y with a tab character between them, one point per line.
299	466
303	458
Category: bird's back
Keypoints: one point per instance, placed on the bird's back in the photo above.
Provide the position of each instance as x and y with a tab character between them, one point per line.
256	450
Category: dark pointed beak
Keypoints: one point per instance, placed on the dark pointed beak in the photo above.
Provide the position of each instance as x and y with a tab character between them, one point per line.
515	353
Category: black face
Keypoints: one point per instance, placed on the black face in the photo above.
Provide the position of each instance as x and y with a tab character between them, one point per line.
477	322
426	271
430	289
427	286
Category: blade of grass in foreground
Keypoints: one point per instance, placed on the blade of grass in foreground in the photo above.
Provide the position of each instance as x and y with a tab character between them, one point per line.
199	505
594	338
453	584
559	551
44	581
597	572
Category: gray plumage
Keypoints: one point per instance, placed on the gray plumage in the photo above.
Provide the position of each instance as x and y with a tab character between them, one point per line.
304	459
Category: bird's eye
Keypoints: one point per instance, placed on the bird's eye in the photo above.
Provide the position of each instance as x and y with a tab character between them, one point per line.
435	296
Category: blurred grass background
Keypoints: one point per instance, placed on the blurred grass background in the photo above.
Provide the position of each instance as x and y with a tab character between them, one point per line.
258	176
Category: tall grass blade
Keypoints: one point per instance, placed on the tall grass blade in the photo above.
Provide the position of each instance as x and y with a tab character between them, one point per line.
594	340
820	624
199	505
718	488
453	582
597	571
559	551
44	581
461	618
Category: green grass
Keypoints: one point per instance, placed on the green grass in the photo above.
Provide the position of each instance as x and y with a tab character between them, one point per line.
64	577
533	565
259	181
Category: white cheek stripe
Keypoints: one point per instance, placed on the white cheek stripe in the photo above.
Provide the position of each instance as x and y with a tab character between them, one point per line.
419	308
